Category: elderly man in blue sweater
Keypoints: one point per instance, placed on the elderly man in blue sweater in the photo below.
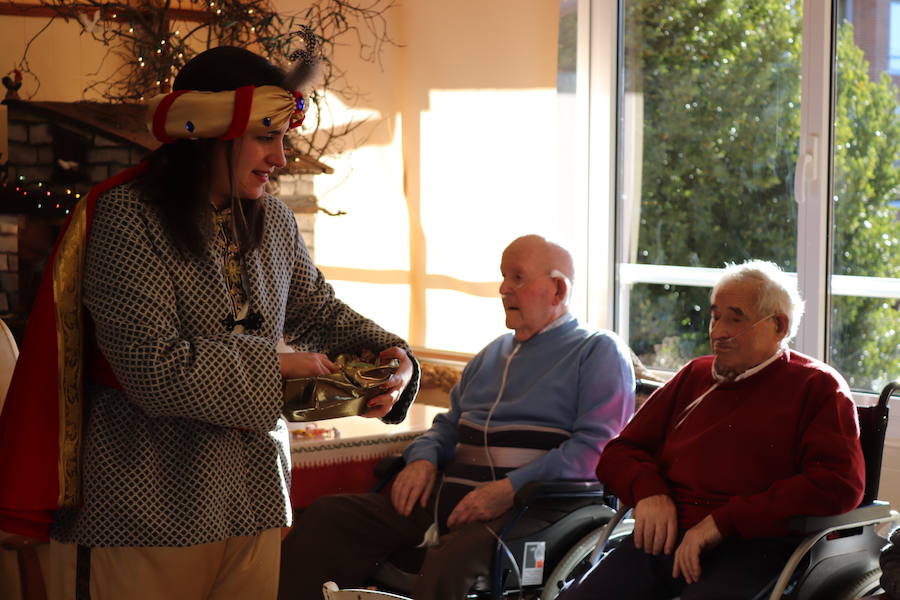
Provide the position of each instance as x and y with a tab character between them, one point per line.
536	404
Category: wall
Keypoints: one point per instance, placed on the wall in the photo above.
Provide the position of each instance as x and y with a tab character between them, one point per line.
65	61
890	466
458	159
460	151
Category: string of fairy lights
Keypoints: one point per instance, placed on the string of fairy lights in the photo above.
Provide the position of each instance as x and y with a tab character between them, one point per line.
22	195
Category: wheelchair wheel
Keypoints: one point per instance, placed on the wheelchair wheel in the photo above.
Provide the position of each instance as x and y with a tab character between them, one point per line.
576	561
865	585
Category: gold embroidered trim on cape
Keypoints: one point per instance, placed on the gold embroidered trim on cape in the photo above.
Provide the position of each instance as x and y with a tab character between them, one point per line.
67	272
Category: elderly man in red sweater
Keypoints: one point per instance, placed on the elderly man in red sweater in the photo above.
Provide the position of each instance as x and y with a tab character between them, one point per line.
718	460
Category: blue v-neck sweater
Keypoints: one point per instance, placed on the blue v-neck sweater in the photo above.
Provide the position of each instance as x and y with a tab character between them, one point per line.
568	391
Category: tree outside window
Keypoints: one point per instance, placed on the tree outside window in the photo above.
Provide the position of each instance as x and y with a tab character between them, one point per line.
710	90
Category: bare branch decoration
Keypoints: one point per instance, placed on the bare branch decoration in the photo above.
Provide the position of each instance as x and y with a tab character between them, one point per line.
153	39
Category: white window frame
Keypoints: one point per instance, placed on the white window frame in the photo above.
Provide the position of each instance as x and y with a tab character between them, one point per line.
892	6
595	171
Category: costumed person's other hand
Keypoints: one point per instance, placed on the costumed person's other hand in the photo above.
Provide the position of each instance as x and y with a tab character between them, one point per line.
484	503
655	524
413	484
383	403
700	537
305	364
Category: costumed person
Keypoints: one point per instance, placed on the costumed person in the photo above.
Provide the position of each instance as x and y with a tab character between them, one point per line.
536	404
190	274
718	460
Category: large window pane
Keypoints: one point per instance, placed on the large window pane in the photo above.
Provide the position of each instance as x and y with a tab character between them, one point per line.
865	313
710	114
660	329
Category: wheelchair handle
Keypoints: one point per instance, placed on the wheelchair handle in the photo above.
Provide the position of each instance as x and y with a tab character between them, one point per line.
887	392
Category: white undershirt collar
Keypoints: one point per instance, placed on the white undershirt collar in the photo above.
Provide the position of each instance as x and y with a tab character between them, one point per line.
561	320
719	379
749	372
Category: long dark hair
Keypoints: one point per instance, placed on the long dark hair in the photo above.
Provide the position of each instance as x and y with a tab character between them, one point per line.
180	175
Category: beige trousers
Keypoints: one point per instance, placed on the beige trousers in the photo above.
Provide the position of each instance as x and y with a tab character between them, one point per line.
238	567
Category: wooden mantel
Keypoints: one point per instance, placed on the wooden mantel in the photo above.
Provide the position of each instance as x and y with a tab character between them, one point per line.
28	9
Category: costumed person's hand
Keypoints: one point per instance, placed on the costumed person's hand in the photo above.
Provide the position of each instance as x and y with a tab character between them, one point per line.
305	364
484	503
383	403
413	484
700	537
655	524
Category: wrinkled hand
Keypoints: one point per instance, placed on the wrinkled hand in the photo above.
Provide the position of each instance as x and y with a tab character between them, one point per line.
484	503
383	403
304	364
413	484
698	538
655	524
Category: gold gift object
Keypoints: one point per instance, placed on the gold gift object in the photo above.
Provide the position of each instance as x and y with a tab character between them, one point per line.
341	394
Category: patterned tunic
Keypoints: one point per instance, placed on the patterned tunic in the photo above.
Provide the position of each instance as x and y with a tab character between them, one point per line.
194	450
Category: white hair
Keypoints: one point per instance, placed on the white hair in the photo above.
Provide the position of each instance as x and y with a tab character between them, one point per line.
776	292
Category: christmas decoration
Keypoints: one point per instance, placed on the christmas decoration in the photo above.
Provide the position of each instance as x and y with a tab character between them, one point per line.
23	196
153	39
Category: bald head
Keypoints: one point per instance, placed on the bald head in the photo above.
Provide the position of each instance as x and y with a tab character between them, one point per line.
537	281
544	254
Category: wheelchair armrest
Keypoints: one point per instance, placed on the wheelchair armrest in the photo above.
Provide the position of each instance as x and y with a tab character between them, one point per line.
538	490
876	511
647	386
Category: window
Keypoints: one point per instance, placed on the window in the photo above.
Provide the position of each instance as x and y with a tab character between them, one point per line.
725	116
711	97
457	157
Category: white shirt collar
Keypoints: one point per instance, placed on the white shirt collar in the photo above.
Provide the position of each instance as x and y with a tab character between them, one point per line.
561	320
749	372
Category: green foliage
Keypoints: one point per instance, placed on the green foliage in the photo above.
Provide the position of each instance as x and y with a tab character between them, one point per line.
720	86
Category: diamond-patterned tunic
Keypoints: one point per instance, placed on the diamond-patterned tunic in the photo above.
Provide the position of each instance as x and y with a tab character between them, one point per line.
194	450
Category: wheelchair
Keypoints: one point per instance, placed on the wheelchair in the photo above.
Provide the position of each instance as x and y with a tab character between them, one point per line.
837	558
508	570
591	507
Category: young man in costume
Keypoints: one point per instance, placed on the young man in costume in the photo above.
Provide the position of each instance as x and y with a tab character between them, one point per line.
718	459
536	404
165	407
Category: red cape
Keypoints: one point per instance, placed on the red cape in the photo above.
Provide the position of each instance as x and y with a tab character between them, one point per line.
41	422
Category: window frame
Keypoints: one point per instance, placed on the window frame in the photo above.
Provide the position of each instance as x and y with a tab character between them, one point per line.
892	6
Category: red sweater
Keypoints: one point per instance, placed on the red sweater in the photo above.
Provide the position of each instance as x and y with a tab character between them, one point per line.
783	442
